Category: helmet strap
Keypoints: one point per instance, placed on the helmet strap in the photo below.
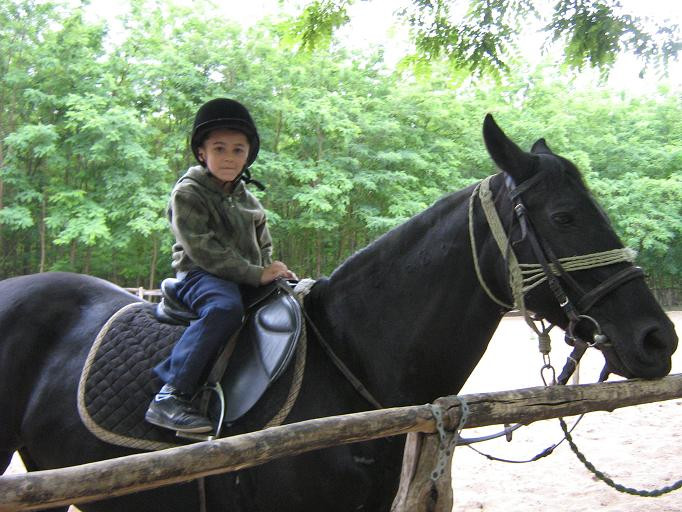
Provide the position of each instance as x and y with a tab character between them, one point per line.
246	177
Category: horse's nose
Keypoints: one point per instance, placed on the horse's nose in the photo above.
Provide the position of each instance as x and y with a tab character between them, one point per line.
656	345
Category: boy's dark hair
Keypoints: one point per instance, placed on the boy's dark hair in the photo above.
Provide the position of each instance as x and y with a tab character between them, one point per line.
224	113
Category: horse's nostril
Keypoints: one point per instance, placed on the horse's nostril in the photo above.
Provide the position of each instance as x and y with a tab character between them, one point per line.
653	343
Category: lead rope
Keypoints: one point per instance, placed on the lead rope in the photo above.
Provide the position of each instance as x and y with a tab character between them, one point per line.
644	493
608	481
532	275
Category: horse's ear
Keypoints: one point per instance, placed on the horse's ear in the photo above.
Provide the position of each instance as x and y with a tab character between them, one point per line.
505	153
541	147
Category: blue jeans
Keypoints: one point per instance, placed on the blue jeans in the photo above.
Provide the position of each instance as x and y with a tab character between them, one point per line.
218	303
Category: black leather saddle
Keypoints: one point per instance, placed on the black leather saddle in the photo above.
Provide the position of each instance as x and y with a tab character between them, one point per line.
265	345
172	310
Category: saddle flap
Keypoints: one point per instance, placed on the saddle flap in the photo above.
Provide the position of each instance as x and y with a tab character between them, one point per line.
263	352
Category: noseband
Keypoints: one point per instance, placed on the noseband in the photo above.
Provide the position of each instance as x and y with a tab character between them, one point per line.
523	277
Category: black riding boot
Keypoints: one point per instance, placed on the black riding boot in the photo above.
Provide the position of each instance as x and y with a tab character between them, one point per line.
172	410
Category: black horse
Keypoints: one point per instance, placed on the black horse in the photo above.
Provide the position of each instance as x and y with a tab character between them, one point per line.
408	315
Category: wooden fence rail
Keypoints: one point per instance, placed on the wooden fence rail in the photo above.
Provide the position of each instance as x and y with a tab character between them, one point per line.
143	293
115	477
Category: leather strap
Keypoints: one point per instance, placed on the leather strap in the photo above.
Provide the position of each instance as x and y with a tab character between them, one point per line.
347	373
355	382
595	295
219	367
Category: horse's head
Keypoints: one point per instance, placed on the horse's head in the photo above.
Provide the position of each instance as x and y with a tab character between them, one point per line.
589	285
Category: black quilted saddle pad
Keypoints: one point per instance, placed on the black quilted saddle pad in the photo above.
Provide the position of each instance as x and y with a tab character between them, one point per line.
118	381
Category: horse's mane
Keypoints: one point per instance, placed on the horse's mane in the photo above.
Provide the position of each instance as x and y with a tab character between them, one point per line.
404	236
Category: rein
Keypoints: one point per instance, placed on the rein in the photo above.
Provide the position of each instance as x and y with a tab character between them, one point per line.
523	277
300	291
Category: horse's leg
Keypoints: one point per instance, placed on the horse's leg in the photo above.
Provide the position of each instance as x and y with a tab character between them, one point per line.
5	458
32	466
8	444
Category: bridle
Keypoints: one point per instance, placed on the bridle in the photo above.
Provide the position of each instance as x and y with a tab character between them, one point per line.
549	268
524	277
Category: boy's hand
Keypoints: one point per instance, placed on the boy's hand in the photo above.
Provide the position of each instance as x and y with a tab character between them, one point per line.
276	270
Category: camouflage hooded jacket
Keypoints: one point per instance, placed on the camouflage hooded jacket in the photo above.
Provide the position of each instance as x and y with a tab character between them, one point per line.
220	232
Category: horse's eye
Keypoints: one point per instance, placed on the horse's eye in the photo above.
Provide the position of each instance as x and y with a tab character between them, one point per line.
562	218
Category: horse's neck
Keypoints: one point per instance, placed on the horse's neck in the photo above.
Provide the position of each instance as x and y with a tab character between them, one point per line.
407	313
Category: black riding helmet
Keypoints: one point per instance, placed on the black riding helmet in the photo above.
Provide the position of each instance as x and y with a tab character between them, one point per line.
224	113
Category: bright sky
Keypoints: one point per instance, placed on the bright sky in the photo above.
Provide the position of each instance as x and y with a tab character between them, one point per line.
373	24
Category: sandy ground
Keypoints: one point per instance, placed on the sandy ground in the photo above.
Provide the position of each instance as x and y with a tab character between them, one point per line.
638	446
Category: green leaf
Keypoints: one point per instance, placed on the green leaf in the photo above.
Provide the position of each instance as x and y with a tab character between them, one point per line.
16	217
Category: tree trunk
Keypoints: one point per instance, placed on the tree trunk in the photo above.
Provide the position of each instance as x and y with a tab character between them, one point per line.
72	254
88	254
43	242
152	270
318	255
27	250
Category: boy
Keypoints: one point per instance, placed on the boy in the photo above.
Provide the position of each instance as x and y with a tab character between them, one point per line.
222	241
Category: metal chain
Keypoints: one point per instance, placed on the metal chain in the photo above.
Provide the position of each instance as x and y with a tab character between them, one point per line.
446	448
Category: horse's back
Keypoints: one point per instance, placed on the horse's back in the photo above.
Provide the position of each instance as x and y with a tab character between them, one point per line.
47	324
55	285
49	301
41	313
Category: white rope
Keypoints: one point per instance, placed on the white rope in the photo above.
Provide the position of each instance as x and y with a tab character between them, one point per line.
303	287
534	274
474	253
523	277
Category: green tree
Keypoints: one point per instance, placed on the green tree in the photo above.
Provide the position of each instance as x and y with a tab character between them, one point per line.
481	36
92	141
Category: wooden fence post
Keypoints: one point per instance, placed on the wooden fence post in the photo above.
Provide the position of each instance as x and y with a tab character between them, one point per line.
417	491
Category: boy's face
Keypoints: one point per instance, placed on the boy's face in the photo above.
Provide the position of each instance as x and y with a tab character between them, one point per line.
224	153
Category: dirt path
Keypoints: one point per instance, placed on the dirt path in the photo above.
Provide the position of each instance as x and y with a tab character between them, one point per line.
637	446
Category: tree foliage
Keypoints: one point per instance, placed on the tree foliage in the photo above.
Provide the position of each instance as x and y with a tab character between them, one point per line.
482	36
93	134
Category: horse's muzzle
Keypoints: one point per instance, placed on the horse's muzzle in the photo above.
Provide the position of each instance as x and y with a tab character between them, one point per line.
647	354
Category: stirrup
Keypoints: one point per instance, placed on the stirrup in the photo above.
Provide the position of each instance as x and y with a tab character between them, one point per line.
218	390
